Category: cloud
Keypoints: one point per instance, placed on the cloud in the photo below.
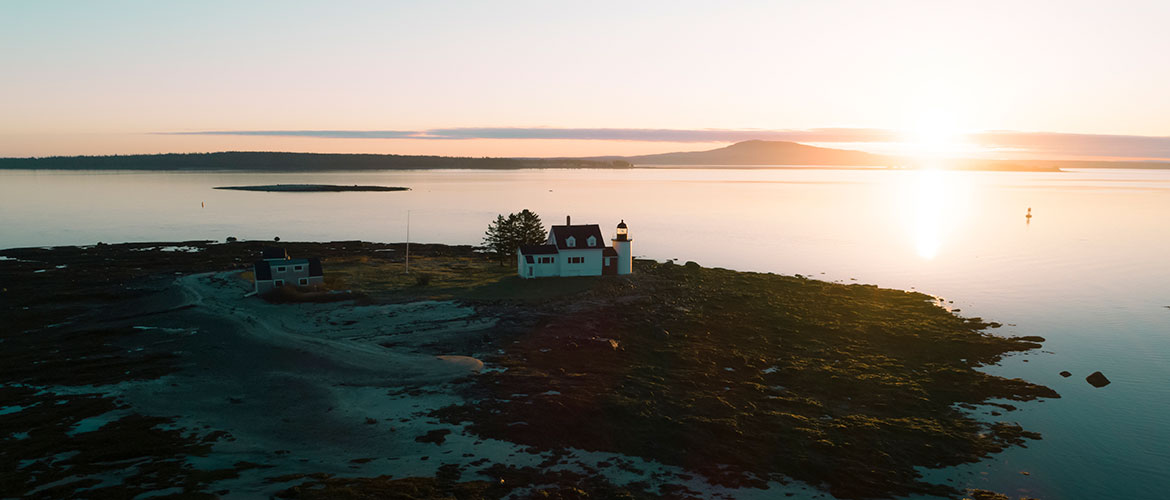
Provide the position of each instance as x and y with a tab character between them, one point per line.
325	134
1039	143
1133	146
594	134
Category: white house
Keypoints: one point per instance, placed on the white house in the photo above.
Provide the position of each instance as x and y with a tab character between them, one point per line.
576	251
277	269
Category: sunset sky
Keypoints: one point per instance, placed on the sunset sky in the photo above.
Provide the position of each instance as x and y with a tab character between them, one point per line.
1082	79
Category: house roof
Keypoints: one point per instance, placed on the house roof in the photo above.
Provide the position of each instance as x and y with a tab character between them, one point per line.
262	270
580	233
609	252
273	253
538	249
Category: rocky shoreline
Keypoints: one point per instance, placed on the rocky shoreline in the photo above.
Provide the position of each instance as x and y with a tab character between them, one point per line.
130	369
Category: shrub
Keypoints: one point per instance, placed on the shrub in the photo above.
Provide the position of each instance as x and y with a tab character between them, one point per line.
422	279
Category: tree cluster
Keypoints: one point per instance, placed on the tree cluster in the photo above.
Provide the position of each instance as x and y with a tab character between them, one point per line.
505	235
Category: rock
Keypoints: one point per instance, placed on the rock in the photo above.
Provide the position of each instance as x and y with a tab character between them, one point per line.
1097	379
1066	374
436	436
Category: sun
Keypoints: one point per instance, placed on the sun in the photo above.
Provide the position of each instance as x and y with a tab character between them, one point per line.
933	133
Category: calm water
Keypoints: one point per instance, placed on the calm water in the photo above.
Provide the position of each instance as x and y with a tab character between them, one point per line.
1091	272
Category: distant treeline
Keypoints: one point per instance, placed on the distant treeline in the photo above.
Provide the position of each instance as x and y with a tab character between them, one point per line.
262	161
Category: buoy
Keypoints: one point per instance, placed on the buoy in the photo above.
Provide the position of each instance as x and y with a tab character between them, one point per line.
201	205
1029	216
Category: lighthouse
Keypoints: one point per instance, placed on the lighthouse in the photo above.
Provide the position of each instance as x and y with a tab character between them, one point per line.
621	244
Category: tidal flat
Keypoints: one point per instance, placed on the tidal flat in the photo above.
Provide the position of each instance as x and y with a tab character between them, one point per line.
130	369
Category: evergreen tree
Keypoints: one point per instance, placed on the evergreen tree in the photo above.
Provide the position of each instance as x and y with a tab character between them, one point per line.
495	239
505	235
527	228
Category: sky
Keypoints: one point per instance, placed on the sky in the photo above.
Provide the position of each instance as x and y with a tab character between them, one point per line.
1063	79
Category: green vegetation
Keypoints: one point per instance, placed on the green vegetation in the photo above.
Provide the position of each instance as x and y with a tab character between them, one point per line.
747	377
505	236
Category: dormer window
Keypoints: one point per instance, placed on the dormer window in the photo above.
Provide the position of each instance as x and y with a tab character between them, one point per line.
592	241
570	242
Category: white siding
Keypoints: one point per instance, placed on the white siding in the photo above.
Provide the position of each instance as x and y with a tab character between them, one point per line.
625	258
537	269
590	267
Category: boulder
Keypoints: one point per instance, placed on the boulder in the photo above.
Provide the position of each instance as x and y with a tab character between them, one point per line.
1066	374
1097	379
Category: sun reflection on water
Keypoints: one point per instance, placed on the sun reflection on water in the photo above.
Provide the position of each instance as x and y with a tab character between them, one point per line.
938	204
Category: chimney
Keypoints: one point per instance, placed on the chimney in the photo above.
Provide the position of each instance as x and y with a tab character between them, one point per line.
568	220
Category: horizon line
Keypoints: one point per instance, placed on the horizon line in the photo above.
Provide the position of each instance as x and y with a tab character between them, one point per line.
1149	148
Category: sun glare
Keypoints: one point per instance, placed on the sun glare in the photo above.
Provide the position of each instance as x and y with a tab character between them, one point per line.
933	133
936	202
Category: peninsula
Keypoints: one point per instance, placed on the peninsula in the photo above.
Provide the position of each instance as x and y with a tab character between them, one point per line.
131	369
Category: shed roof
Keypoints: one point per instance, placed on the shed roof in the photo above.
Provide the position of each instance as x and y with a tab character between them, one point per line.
538	249
609	252
580	233
273	253
315	267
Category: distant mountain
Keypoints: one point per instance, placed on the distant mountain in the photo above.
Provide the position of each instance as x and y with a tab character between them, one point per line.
761	153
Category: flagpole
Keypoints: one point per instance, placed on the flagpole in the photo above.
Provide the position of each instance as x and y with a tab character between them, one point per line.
408	242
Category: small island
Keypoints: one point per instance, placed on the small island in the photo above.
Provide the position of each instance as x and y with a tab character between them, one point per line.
459	379
312	188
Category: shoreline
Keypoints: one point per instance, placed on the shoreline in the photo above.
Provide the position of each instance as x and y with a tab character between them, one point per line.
253	379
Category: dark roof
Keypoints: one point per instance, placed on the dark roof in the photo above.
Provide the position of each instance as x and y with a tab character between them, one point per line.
528	259
538	249
622	224
609	252
315	267
263	271
273	253
580	233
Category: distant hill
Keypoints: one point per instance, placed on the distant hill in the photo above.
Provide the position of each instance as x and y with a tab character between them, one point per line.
766	153
291	162
762	153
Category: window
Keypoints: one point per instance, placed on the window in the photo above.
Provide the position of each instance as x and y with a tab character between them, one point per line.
591	241
298	268
529	270
304	281
280	269
576	260
570	242
546	260
278	283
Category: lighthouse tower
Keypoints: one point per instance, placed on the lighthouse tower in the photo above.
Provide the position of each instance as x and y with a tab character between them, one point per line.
621	244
